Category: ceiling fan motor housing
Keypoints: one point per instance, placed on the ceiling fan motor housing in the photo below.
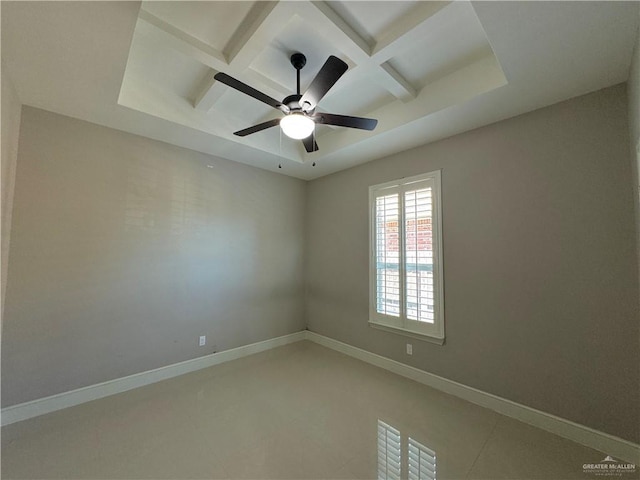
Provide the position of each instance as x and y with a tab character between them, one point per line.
293	102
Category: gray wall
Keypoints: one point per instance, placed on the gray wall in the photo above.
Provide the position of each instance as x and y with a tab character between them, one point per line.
633	90
541	292
11	109
124	250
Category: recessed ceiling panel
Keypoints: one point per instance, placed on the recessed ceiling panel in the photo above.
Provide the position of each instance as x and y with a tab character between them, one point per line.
371	19
211	22
242	111
166	68
357	100
453	42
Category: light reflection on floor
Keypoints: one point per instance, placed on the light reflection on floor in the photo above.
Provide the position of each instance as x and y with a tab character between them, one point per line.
393	447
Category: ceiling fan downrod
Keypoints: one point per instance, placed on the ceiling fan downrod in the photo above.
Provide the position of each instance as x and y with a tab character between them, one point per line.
298	60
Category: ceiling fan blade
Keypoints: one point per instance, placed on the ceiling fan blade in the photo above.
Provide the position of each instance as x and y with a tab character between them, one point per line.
257	128
252	92
345	121
310	144
328	75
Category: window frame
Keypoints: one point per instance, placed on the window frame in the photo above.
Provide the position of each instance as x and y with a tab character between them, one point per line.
435	332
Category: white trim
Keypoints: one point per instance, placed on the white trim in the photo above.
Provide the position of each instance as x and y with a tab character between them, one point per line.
609	444
407	333
26	410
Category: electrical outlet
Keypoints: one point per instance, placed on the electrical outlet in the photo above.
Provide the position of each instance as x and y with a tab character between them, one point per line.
409	349
203	340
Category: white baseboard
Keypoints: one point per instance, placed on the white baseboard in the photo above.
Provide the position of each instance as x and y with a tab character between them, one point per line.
609	444
26	410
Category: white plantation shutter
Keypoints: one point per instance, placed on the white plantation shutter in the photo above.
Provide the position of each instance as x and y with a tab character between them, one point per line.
388	255
419	255
406	256
422	462
389	453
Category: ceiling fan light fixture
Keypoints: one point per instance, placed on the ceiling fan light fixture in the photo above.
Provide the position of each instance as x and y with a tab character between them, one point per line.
297	125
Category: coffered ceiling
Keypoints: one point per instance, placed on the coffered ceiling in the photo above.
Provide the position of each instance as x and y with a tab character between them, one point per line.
425	70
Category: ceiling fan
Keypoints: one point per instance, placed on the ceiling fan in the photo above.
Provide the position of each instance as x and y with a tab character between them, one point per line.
300	110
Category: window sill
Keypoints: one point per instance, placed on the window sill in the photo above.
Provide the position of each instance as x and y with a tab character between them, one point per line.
407	333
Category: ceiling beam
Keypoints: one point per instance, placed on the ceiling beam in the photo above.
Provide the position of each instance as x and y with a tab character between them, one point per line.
216	58
207	92
396	36
169	36
396	84
249	27
249	39
357	48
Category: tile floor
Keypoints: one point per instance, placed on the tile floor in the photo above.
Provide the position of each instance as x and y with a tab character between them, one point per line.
299	411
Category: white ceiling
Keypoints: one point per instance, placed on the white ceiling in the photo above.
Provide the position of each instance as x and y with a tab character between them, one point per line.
425	70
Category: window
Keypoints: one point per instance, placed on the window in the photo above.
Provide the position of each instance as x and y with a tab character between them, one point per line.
406	293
